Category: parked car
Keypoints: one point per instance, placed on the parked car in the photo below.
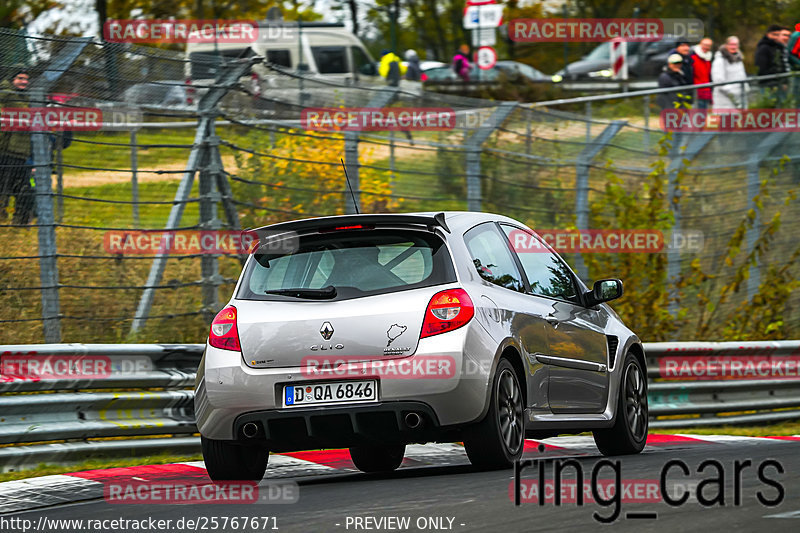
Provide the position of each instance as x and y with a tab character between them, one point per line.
521	71
317	49
509	70
528	349
645	60
163	93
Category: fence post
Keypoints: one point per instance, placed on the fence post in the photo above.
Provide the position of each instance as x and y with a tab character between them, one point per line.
352	187
209	197
60	176
582	163
134	178
770	142
352	190
392	168
48	254
588	106
473	146
694	147
228	77
646	133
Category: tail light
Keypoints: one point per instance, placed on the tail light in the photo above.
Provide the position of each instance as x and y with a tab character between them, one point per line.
224	334
447	310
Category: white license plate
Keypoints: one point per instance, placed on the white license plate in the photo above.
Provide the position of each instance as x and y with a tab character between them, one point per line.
335	392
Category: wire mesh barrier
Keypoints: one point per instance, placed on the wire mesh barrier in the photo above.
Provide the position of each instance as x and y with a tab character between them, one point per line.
62	402
184	158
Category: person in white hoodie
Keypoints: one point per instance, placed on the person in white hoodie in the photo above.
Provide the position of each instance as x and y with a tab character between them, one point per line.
728	66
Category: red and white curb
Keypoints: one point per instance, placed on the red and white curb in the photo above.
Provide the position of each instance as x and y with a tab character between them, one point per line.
48	491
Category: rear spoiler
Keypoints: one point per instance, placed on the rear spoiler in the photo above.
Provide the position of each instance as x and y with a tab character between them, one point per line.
436	220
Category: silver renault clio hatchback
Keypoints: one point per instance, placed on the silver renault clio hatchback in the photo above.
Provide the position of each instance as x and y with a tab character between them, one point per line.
371	332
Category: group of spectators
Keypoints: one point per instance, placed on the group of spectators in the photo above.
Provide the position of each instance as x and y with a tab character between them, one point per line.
777	52
393	70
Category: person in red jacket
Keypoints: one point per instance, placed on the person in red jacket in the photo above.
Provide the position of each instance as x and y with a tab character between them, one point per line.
702	57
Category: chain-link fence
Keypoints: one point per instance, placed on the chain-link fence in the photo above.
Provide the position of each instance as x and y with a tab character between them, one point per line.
181	155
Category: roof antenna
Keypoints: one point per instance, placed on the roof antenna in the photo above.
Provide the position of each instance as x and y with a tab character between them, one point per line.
347	179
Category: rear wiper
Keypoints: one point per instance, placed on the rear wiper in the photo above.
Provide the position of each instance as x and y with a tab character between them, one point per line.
326	293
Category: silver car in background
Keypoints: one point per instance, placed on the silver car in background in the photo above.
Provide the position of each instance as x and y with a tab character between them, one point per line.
374	331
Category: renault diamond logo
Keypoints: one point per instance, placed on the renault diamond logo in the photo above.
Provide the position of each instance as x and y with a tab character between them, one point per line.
326	331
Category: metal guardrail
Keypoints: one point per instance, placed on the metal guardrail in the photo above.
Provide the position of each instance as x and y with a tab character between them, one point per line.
141	400
139	395
745	382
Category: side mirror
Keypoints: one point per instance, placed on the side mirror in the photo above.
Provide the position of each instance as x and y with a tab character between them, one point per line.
604	290
368	69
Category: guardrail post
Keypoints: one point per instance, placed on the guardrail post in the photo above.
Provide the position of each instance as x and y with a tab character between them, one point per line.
696	144
582	163
473	146
770	142
228	77
134	178
40	141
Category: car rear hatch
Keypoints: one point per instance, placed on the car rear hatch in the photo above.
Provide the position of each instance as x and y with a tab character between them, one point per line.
347	287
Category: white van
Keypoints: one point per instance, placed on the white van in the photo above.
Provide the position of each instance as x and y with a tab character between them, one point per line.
313	49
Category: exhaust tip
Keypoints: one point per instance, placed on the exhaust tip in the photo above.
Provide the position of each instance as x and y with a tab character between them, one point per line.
250	430
413	420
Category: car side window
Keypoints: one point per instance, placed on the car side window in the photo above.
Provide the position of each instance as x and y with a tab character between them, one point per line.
492	258
547	274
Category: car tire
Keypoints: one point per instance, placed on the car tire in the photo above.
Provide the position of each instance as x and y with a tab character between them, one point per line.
227	461
628	435
374	459
498	440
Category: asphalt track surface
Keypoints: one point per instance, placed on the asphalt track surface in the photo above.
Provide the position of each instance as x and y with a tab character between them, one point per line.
453	496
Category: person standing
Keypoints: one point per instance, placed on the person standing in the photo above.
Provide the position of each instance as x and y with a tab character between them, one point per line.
413	70
672	76
728	65
793	49
461	65
701	62
685	51
15	152
770	59
390	68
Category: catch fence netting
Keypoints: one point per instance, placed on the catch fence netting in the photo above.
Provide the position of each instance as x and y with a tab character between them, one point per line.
162	159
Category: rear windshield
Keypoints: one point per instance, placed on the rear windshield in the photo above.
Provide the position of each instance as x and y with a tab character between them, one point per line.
356	263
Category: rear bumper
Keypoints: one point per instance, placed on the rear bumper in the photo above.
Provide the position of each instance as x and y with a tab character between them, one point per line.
331	427
229	392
